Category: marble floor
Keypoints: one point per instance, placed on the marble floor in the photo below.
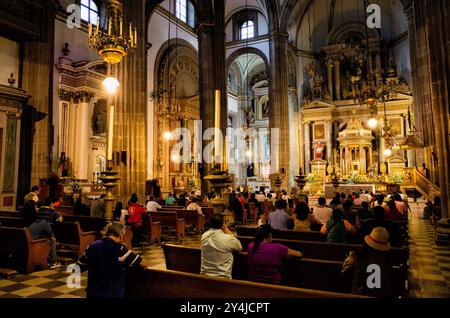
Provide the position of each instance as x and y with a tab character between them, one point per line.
429	273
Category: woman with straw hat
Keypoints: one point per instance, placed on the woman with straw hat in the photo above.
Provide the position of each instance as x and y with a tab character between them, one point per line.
369	269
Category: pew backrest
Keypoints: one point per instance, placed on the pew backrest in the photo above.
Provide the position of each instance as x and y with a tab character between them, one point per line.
153	283
289	235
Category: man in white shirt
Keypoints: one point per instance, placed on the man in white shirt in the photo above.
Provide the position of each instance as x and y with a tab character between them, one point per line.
321	212
152	205
217	247
365	197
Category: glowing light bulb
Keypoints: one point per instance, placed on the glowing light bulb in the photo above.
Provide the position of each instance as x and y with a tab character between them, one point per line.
248	153
111	84
373	123
387	152
167	135
175	158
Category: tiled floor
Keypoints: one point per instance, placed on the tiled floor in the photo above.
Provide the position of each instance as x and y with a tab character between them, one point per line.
429	273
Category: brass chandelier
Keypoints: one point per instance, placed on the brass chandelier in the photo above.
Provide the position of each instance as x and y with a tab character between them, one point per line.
108	38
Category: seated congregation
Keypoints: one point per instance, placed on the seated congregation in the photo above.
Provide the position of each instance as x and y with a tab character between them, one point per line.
274	246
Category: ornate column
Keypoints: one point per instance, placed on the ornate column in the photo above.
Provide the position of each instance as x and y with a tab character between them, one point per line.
341	158
307	141
278	95
370	157
205	32
329	142
330	66
337	78
82	136
362	159
184	165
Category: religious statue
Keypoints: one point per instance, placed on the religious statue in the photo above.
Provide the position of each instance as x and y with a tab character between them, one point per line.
99	117
265	108
250	116
63	165
180	181
319	151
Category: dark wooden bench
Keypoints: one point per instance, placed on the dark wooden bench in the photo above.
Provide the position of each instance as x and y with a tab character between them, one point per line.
16	214
190	217
329	251
208	212
153	283
64	210
87	223
171	220
288	235
151	228
70	234
303	273
20	252
9	221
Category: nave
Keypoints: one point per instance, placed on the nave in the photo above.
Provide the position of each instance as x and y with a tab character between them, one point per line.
428	275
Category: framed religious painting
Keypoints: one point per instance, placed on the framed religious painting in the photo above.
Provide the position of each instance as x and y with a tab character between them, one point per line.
396	126
319	131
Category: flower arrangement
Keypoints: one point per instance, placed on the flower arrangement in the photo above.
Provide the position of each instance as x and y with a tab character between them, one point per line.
192	183
311	178
398	178
76	187
354	177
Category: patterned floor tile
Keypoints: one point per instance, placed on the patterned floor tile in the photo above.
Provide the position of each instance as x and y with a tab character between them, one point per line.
26	292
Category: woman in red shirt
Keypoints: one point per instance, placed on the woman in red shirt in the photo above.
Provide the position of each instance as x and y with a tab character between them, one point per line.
393	214
135	213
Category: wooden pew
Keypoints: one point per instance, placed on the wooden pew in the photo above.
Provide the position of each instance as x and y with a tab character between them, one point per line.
190	217
329	251
170	219
9	221
288	235
15	214
303	273
87	223
20	252
151	228
70	234
153	283
208	212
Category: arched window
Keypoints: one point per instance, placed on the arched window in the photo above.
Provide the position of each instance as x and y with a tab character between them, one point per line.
247	30
184	10
89	11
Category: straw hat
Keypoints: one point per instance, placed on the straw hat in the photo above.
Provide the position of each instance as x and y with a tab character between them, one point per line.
378	239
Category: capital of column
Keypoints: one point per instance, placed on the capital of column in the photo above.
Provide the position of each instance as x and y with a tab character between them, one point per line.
83	96
65	95
279	35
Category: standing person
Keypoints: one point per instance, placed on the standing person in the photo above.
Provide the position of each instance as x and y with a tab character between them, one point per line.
217	248
152	205
265	258
98	207
279	218
375	251
106	260
337	229
33	195
236	207
321	212
135	212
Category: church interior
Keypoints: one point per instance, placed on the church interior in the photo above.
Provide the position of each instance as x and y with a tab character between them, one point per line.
195	109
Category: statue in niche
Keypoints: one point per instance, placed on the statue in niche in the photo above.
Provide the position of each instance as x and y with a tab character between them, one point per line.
316	88
250	116
265	108
99	117
319	151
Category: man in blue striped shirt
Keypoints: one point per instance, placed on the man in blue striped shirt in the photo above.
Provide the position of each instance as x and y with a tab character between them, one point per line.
106	260
48	211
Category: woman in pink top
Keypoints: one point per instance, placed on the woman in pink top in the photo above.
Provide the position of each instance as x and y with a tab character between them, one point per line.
266	258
